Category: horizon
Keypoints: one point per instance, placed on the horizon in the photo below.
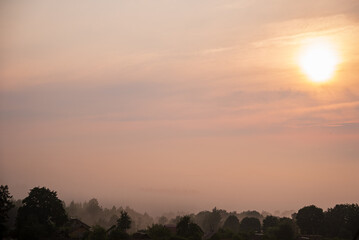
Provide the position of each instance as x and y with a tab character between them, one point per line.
263	212
181	106
108	204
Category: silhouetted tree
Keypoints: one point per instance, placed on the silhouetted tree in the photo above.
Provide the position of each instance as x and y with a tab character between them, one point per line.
11	221
209	221
253	214
124	222
214	220
187	229
341	221
5	205
310	219
159	232
41	213
232	224
285	230
250	224
93	207
269	222
93	214
72	209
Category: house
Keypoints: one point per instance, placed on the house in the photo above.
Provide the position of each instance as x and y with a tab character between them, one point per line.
77	229
113	227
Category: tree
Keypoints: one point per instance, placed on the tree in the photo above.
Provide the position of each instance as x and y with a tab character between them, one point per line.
269	222
250	224
11	221
232	224
41	213
72	209
187	229
124	222
209	221
253	214
214	220
159	232
285	230
182	226
341	221
93	207
6	204
310	219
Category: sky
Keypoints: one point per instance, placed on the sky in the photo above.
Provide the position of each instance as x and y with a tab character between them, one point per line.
179	105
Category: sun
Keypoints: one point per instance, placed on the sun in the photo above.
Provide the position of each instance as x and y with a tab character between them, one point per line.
318	60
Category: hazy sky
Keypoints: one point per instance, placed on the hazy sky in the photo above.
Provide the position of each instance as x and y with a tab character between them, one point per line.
179	105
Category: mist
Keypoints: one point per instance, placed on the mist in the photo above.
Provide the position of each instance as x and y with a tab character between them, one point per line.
172	107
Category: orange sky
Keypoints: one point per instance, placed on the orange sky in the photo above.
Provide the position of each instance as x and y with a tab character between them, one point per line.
179	105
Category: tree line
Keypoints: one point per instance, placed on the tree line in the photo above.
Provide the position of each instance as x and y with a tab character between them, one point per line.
92	213
42	215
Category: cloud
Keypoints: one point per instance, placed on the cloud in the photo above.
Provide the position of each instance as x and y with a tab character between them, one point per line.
297	31
338	115
265	97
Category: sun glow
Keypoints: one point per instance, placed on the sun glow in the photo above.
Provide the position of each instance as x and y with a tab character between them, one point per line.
318	60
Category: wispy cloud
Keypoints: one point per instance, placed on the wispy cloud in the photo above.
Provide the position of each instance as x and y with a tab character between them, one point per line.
299	31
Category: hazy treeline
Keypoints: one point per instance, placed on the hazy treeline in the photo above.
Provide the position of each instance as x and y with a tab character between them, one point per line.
93	214
41	215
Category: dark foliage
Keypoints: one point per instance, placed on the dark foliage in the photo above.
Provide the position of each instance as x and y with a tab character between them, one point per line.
93	214
41	214
310	219
124	222
270	222
284	230
159	232
227	234
209	221
5	205
187	229
341	221
232	224
250	224
252	214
